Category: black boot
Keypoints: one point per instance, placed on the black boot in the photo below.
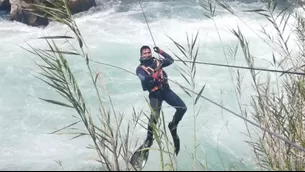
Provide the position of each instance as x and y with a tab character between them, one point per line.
173	130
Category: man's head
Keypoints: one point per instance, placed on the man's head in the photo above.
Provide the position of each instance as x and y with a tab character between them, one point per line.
145	52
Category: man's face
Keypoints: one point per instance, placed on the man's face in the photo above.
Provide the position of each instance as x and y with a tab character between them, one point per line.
146	53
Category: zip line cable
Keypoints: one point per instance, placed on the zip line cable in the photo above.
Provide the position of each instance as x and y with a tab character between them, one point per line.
244	67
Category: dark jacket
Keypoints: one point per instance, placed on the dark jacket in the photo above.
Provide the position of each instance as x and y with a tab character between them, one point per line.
146	79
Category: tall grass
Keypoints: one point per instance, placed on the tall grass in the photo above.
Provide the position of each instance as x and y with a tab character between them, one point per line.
190	54
111	143
276	106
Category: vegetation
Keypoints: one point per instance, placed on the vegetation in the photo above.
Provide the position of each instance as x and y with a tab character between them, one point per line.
277	107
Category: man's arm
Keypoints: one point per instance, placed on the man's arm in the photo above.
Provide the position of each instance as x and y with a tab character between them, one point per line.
168	60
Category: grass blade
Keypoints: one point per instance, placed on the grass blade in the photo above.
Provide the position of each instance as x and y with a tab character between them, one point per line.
56	37
56	102
199	94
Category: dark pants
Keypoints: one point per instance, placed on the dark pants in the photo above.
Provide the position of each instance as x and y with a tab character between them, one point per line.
170	98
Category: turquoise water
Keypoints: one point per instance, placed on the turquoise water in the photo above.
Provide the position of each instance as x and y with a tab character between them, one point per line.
114	34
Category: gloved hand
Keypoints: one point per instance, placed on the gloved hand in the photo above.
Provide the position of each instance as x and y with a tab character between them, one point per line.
158	50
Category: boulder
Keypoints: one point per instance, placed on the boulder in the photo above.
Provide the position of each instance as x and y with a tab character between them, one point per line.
77	6
18	12
5	5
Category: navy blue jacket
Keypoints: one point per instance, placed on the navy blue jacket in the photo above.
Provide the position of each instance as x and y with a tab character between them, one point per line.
147	81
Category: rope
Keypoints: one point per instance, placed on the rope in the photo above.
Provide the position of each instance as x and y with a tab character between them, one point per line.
148	26
244	67
147	23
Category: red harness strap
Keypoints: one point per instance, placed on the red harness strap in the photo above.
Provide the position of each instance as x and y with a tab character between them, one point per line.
150	71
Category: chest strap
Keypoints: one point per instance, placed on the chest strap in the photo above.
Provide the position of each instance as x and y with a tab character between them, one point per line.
150	71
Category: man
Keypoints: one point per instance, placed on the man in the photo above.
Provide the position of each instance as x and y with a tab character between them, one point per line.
154	80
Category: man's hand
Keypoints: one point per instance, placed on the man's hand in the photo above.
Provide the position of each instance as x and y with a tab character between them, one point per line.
158	50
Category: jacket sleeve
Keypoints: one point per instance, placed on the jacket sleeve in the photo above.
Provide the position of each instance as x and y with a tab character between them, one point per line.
168	60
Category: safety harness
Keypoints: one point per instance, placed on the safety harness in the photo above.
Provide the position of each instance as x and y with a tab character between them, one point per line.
150	71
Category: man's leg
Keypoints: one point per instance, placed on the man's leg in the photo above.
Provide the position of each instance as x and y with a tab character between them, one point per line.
174	100
155	103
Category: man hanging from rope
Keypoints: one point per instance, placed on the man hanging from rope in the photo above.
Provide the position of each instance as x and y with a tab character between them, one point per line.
154	80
